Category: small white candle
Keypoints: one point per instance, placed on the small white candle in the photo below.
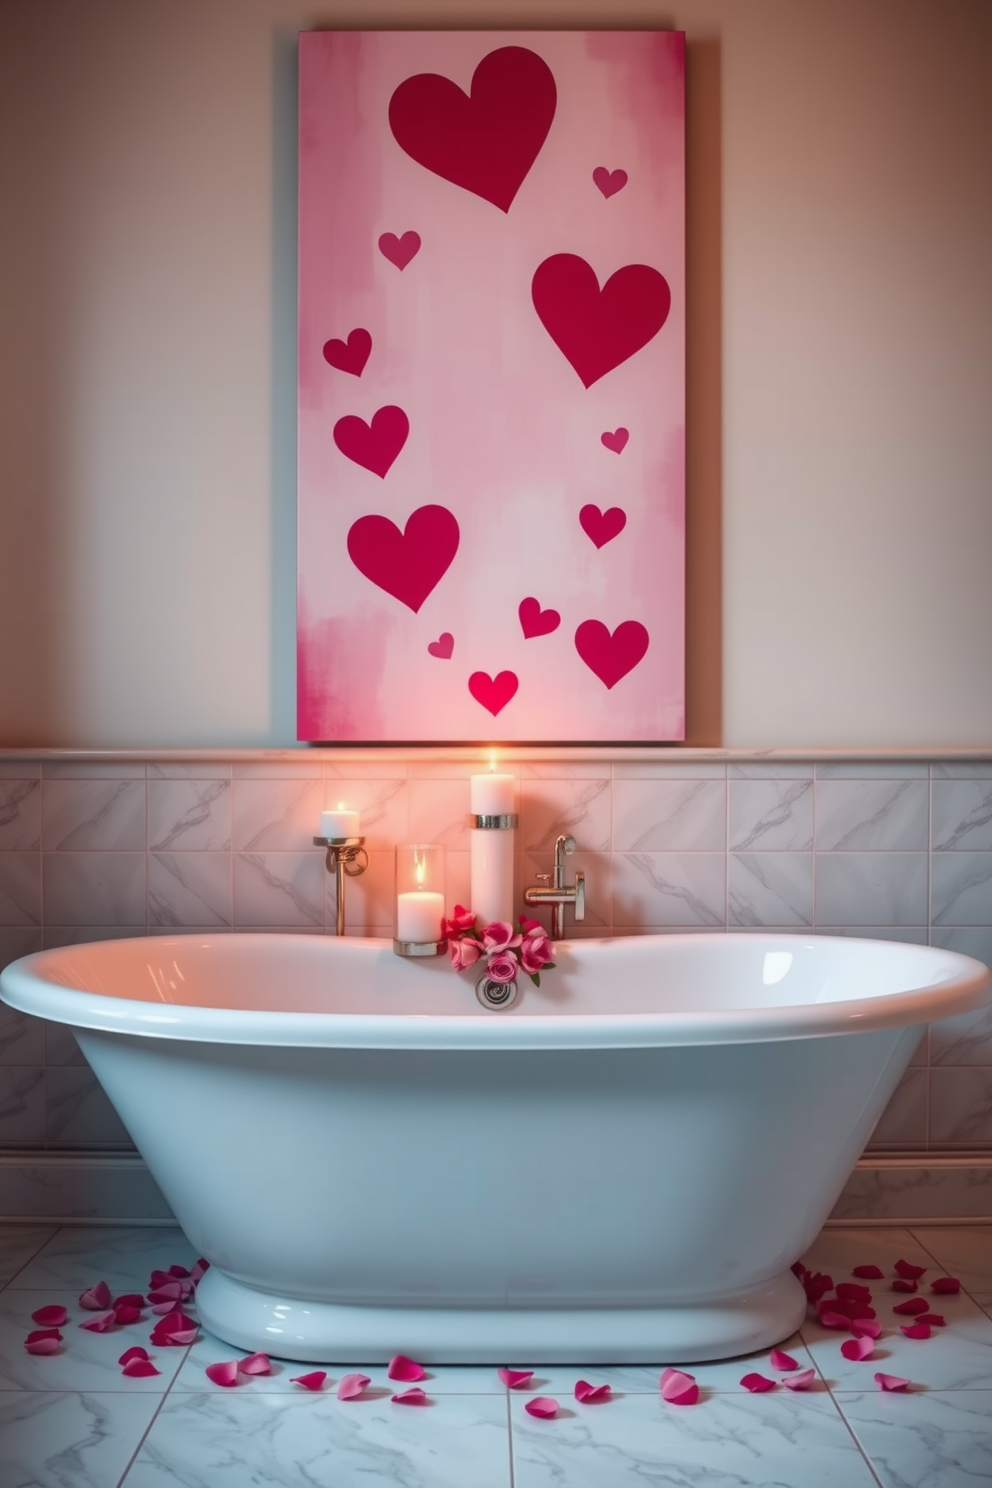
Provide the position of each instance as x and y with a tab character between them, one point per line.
339	823
492	795
419	915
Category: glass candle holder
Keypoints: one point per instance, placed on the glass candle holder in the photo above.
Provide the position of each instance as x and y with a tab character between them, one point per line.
420	900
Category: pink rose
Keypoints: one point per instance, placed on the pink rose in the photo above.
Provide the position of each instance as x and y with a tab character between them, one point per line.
535	952
464	952
462	919
531	927
502	967
499	936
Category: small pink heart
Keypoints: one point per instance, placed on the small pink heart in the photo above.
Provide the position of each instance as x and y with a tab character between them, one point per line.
493	692
399	251
537	622
443	646
602	527
350	355
616	440
609	182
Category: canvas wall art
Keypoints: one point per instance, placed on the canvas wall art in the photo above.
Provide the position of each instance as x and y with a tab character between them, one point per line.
491	386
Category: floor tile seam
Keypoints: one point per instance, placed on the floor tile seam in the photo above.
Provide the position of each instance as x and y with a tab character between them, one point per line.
163	1397
30	1260
512	1475
836	1405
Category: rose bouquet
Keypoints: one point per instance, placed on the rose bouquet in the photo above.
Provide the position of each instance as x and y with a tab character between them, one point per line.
506	949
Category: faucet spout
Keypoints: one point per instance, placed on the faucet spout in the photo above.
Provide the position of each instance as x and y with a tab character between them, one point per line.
553	890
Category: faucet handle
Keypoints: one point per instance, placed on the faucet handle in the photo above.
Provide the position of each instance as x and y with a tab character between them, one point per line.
580	896
543	878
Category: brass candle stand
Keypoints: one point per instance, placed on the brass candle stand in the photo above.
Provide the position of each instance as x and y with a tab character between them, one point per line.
345	855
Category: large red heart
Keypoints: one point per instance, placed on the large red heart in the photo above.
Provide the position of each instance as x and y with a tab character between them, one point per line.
350	355
602	527
376	445
488	140
407	564
597	329
493	692
536	622
611	656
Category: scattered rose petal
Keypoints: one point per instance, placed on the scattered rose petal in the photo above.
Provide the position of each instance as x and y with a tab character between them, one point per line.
124	1314
831	1319
162	1309
869	1273
678	1388
949	1284
891	1382
255	1364
96	1298
514	1378
43	1341
176	1328
52	1316
909	1271
915	1330
198	1270
402	1368
905	1284
139	1369
178	1271
178	1338
800	1381
858	1348
416	1396
314	1381
352	1386
101	1324
779	1360
933	1319
129	1299
173	1291
851	1289
543	1406
866	1328
225	1373
134	1352
587	1394
915	1304
757	1383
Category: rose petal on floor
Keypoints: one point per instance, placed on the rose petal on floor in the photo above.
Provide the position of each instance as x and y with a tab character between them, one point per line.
139	1369
225	1373
543	1406
678	1388
851	1289
586	1394
905	1284
198	1270
96	1298
949	1284
831	1319
129	1299
314	1381
870	1273
255	1364
514	1378
134	1352
124	1314
52	1316
866	1328
932	1319
402	1368
352	1386
416	1396
858	1348
915	1330
800	1381
757	1383
778	1359
43	1341
908	1270
891	1382
915	1304
101	1324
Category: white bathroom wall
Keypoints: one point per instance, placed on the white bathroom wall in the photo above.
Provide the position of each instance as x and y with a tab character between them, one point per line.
839	364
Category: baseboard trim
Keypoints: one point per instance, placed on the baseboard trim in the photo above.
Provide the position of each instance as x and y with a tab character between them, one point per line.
117	1188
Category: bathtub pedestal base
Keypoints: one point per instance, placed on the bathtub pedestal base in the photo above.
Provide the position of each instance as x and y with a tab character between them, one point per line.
323	1332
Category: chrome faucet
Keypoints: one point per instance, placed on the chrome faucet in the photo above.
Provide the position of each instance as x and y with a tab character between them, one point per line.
555	892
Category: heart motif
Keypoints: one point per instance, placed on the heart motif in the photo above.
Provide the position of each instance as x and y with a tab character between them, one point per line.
373	446
609	182
493	692
350	355
407	564
616	440
399	251
602	527
597	329
487	140
611	656
443	646
537	622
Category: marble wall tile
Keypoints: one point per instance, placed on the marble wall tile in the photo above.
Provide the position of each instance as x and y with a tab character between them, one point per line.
578	808
771	770
14	769
669	816
306	767
673	769
458	876
418	769
872	815
961	1106
565	770
17	941
192	770
872	770
770	815
961	888
78	1113
92	770
382	804
22	1106
770	889
966	1039
20	815
908	934
95	888
961	770
903	1123
190	889
682	890
394	767
68	935
60	1046
961	815
369	900
93	815
276	815
276	889
189	815
20	888
871	888
438	812
22	1038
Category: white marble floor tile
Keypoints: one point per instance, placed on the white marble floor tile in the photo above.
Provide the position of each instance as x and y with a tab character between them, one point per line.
73	1440
722	1377
837	1252
18	1245
231	1439
779	1440
86	1361
955	1357
122	1256
963	1250
935	1441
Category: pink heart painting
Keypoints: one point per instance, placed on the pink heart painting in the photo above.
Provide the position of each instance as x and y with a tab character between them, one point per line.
373	446
399	251
484	141
409	564
611	656
615	441
536	622
443	646
597	329
350	355
493	692
602	527
609	182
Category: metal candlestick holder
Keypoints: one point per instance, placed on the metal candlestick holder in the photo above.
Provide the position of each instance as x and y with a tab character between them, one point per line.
345	855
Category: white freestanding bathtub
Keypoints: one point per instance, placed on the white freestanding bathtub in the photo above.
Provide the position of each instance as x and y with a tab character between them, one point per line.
621	1167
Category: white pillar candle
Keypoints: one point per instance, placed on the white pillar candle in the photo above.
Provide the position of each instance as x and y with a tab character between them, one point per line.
492	795
492	874
419	915
340	823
